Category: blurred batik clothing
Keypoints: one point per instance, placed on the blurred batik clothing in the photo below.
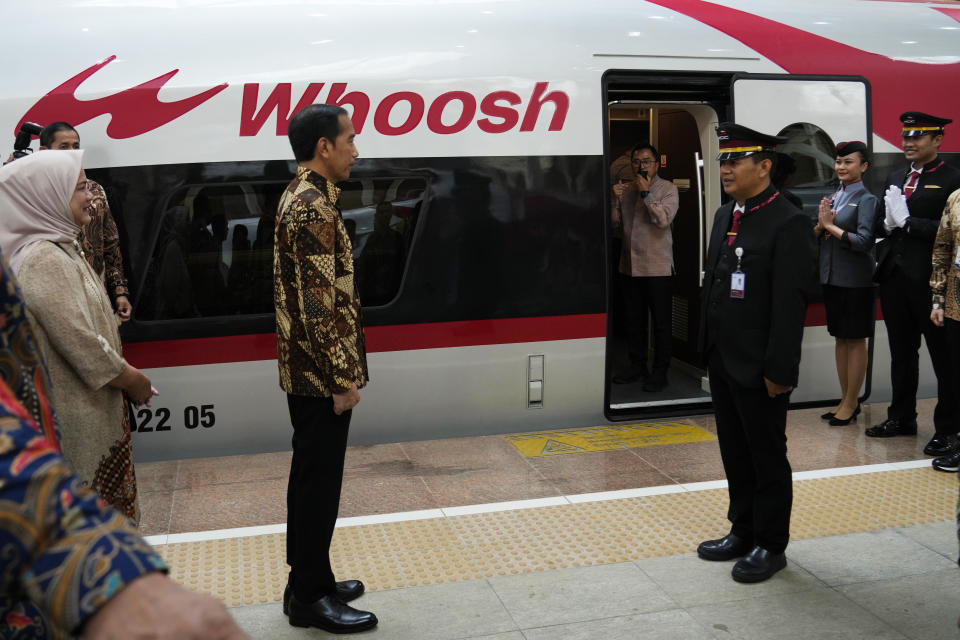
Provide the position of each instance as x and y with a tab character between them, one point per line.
100	241
945	277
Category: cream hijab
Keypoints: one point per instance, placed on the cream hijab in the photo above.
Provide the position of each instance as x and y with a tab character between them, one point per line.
35	195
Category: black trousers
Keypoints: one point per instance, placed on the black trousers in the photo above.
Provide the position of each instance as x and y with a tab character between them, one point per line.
952	328
751	427
906	312
653	295
313	493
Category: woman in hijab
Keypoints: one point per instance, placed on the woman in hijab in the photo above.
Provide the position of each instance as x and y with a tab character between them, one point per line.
44	201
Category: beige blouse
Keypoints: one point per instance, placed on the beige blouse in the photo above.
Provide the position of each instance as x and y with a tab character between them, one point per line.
77	332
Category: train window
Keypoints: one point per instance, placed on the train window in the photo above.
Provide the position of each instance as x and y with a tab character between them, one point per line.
812	152
213	254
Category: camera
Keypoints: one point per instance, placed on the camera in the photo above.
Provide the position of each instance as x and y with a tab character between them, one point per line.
21	146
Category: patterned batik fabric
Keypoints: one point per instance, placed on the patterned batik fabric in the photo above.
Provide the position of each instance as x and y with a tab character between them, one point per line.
945	276
21	366
320	344
115	480
64	552
100	242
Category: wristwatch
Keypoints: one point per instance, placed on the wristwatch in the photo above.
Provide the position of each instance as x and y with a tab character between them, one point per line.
936	306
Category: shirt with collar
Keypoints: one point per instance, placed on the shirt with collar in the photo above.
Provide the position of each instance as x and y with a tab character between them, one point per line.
320	342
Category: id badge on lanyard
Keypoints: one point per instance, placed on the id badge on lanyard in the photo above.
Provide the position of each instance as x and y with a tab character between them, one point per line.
738	279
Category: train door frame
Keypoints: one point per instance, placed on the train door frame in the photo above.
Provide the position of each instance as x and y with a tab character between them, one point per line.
717	91
706	92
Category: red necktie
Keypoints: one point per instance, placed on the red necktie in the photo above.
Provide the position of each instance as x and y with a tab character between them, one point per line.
911	183
732	234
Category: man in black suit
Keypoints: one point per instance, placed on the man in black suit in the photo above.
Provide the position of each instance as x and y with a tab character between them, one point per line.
913	204
761	268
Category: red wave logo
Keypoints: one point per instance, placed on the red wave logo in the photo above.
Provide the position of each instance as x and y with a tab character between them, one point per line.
897	85
133	111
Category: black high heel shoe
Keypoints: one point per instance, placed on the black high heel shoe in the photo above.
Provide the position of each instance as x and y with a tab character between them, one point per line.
837	422
828	415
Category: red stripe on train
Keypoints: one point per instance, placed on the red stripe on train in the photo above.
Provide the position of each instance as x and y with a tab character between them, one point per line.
404	337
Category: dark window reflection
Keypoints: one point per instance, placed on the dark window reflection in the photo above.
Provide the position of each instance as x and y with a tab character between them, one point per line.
213	253
812	152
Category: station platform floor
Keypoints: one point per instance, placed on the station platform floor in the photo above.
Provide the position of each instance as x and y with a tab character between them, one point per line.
584	533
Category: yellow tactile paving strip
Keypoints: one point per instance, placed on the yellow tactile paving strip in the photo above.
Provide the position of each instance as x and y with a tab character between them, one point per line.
244	571
539	444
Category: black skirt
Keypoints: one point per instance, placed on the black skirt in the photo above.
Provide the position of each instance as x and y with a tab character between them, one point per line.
850	311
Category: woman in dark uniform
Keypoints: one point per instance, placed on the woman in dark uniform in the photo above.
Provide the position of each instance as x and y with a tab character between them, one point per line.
845	229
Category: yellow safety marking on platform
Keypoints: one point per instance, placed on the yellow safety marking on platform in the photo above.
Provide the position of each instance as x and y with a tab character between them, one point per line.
539	444
391	555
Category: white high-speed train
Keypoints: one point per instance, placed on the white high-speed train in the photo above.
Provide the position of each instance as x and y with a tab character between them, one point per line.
479	206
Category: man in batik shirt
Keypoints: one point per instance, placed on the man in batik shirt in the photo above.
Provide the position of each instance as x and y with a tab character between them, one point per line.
99	239
322	359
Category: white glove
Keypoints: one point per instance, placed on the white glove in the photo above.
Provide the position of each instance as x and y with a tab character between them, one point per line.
897	212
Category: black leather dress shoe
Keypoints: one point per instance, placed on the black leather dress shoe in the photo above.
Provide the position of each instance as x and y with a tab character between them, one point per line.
758	565
892	427
949	463
940	445
656	383
726	548
330	614
347	590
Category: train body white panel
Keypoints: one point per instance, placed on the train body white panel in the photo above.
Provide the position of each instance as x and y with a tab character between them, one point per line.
412	395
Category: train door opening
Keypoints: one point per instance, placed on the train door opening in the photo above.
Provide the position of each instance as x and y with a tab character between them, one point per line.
637	381
677	113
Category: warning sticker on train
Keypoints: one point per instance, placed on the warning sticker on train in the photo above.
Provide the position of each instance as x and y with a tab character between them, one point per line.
539	444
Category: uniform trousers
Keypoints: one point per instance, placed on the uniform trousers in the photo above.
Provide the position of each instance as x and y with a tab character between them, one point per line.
653	295
313	493
751	427
906	312
952	328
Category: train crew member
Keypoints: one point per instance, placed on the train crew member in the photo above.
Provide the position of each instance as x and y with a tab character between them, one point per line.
914	201
73	564
945	286
845	229
322	361
761	268
647	208
45	202
99	239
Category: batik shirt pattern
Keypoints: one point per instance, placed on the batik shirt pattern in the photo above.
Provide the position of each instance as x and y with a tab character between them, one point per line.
100	241
320	343
945	277
65	551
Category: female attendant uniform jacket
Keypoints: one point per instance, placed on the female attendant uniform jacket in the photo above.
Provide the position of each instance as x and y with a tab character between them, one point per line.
759	335
848	261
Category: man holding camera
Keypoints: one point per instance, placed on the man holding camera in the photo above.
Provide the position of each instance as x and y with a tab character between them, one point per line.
99	239
647	206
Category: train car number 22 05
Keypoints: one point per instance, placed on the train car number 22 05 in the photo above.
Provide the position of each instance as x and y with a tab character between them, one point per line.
149	419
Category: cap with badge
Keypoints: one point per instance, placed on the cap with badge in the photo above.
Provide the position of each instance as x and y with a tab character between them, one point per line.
920	124
737	141
846	148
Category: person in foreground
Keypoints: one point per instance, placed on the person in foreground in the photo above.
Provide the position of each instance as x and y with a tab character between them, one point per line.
72	564
322	360
44	202
945	304
761	268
